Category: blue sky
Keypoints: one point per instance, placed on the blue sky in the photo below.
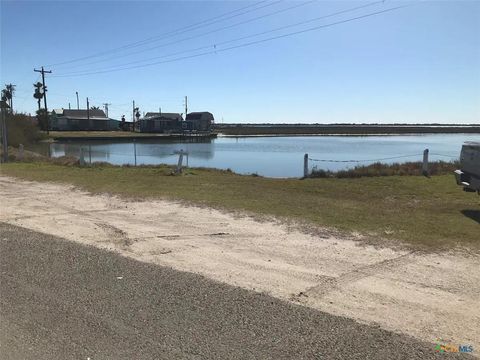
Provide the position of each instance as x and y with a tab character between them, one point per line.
420	63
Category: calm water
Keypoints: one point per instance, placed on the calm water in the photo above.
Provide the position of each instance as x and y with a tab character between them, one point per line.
272	156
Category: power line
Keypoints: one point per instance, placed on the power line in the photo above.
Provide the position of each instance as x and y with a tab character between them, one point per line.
172	33
444	155
365	160
237	46
199	24
381	159
200	35
240	38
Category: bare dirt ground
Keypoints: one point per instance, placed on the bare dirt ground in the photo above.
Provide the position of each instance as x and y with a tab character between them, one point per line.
426	295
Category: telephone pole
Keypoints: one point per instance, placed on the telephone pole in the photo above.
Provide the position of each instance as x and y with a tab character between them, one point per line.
105	106
134	115
186	107
88	114
78	104
45	94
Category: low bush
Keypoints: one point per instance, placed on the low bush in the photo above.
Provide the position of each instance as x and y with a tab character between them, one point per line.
380	169
22	129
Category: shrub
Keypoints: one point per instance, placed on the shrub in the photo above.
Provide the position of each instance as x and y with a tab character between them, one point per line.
22	129
380	169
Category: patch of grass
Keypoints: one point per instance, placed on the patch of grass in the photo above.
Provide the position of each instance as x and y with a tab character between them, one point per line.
429	212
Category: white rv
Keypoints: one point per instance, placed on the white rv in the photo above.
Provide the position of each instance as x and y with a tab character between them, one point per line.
469	173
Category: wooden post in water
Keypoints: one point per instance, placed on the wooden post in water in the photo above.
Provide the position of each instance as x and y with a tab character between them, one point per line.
305	165
425	163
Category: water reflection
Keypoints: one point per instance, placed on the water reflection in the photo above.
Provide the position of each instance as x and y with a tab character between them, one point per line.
145	151
268	156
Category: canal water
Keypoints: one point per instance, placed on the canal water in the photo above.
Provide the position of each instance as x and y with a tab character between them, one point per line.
271	156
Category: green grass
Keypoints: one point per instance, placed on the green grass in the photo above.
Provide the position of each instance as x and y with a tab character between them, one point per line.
430	212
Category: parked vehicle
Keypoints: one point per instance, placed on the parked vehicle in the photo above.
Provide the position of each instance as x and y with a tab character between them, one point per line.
468	175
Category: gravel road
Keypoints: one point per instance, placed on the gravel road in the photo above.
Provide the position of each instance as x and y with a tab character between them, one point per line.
62	300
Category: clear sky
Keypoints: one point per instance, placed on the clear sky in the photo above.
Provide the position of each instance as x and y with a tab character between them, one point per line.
419	63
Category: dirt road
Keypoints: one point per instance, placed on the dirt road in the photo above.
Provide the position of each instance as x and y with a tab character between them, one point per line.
428	296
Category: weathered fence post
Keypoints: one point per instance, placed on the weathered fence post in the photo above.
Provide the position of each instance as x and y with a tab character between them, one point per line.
20	152
82	157
305	165
425	163
180	153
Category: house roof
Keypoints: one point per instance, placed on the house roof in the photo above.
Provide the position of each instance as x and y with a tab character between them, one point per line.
83	114
170	116
201	115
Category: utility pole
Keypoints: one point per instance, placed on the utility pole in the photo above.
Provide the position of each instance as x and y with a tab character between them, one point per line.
45	94
78	104
133	116
105	105
69	108
186	107
88	113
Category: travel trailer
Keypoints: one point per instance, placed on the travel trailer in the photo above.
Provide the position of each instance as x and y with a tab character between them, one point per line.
468	175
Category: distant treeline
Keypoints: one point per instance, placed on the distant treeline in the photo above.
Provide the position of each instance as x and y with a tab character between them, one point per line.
343	129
